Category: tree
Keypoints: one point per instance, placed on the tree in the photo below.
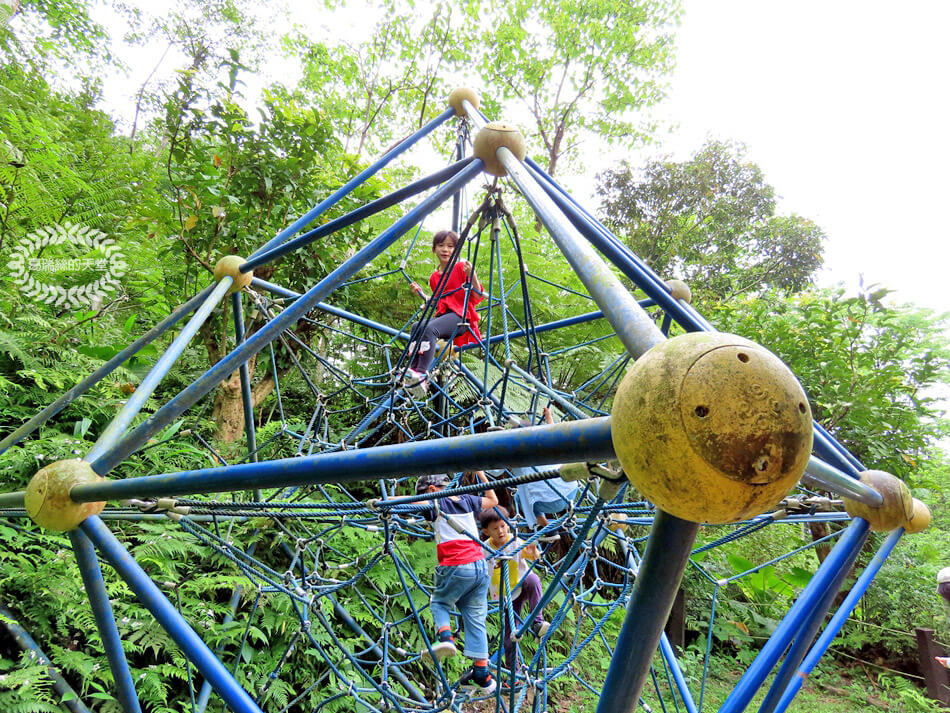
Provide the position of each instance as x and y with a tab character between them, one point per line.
711	221
871	371
577	66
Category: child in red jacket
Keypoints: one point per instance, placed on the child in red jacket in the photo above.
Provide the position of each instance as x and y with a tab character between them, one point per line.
451	310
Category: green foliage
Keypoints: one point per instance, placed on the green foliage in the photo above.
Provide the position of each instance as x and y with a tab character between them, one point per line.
577	67
711	221
870	370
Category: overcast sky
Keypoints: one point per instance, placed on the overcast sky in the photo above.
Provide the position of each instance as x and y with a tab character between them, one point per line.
842	103
844	106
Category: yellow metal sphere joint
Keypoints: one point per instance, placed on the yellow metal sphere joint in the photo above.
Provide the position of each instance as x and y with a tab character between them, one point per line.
919	519
456	97
492	137
47	496
230	266
897	510
711	427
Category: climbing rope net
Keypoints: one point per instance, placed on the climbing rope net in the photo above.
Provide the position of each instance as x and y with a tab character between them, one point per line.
329	537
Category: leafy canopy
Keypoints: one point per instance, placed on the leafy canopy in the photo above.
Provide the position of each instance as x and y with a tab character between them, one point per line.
711	220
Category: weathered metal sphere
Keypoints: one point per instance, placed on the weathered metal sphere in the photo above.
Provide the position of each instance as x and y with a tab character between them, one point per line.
897	508
456	97
47	496
230	266
680	290
919	519
491	138
711	427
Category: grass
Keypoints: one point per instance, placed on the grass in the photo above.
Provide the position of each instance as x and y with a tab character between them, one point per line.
830	689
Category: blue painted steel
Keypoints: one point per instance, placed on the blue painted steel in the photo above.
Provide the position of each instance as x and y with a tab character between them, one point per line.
636	330
357	215
805	635
539	445
619	255
105	621
557	324
317	210
830	478
13	499
837	455
245	376
330	309
851	540
168	617
631	266
547	390
666	649
103	371
667	553
26	642
839	619
211	378
113	432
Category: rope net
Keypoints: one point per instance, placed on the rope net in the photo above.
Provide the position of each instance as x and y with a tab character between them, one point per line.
331	584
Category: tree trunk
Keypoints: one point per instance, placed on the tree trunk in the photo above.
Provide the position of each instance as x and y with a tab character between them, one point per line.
819	530
228	410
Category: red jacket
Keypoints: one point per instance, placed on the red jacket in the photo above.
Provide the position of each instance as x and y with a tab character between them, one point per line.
454	301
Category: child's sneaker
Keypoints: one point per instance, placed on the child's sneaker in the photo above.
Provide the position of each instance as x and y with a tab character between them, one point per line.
441	650
478	687
540	628
416	382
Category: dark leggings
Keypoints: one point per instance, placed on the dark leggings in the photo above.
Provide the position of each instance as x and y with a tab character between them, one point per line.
440	327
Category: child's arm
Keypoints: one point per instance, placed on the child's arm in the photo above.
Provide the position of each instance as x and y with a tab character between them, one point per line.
415	287
530	551
489	499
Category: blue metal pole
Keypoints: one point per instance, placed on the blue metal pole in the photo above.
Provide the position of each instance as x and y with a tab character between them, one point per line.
828	448
563	442
113	432
330	309
805	636
103	371
750	682
557	324
546	390
633	325
105	621
628	263
357	215
839	619
168	617
661	570
317	210
666	649
70	699
207	381
245	376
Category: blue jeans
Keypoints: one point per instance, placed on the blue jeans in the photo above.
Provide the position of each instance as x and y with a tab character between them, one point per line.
464	587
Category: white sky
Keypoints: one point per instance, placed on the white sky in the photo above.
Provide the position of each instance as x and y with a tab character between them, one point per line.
842	103
844	106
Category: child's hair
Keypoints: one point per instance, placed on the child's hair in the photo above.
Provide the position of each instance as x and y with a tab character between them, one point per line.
444	235
487	517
